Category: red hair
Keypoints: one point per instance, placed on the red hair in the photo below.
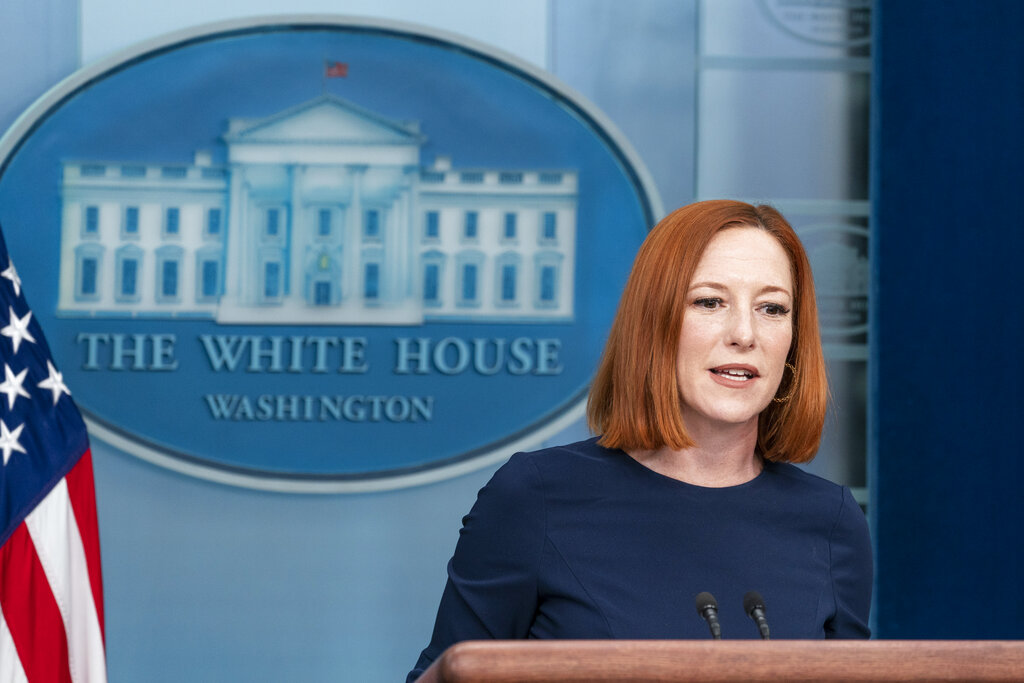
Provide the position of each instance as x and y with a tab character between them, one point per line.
634	401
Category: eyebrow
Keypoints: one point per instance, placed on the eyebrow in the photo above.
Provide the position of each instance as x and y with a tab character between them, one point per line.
764	290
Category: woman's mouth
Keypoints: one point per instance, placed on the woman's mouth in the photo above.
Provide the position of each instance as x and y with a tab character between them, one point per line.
734	373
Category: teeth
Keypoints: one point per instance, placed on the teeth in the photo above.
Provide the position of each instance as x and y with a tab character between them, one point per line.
735	374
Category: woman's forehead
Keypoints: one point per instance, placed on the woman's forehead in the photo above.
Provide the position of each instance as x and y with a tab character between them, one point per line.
744	253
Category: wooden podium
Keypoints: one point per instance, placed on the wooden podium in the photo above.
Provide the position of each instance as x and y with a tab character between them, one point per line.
606	661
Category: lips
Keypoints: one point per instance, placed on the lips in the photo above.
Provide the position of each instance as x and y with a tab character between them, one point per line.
737	373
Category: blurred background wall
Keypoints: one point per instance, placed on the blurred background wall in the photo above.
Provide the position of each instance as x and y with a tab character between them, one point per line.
762	100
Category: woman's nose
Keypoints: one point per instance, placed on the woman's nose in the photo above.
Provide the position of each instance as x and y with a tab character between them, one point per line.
741	328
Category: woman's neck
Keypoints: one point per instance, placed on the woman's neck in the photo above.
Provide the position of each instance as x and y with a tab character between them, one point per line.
722	456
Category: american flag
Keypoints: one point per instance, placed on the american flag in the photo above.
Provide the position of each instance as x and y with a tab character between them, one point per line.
336	70
51	589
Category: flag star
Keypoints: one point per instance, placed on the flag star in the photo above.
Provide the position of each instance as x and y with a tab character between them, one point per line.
12	385
55	383
9	440
12	274
17	330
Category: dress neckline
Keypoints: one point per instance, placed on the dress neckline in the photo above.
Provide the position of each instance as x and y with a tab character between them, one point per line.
634	463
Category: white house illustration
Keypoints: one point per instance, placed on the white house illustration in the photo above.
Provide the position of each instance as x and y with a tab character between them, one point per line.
323	214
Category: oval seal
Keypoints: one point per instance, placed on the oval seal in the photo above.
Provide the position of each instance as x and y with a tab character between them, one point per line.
321	254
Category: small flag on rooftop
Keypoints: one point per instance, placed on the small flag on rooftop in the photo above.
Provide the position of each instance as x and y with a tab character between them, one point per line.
336	70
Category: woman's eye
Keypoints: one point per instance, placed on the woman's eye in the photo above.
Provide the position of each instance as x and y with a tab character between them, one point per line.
710	303
775	310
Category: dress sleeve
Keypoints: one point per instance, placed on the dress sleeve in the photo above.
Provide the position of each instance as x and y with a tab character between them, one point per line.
492	578
852	572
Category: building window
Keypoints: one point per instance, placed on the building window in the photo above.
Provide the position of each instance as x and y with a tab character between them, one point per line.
371	225
169	280
89	272
92	220
174	172
470	231
93	170
273	224
432	226
129	278
510	226
88	259
431	283
168	274
321	293
322	276
548	269
129	260
323	222
433	264
131	221
469	271
213	219
508	283
549	227
547	284
172	221
272	280
371	282
209	274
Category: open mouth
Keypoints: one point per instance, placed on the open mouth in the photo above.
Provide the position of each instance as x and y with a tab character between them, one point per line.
739	374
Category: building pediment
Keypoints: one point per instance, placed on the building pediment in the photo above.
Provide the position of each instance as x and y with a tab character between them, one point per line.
324	120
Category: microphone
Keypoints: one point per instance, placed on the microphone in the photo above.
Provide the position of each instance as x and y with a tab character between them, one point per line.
753	605
707	608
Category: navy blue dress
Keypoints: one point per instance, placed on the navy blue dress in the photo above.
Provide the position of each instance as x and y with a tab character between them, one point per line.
582	541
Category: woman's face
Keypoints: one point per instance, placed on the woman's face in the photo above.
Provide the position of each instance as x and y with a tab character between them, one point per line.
737	329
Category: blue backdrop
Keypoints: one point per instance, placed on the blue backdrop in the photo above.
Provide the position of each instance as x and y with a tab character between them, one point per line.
946	406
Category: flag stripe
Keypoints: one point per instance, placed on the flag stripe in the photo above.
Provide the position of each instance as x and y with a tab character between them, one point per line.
55	534
31	612
83	502
10	664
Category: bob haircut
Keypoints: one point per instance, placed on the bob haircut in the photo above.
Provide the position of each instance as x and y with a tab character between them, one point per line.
634	402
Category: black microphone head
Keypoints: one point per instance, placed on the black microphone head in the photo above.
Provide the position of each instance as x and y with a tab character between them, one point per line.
704	601
753	600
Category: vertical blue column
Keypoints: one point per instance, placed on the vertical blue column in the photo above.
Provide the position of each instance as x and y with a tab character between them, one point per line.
947	306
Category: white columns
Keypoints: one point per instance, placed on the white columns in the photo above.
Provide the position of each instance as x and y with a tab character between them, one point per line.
352	275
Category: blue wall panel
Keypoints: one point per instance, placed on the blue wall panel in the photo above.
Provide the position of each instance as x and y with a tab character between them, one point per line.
946	406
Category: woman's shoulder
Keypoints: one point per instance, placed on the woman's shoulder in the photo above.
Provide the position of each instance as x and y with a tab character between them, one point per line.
788	474
569	459
554	467
523	486
808	489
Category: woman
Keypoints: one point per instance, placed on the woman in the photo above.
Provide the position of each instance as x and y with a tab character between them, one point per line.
711	384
